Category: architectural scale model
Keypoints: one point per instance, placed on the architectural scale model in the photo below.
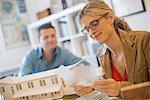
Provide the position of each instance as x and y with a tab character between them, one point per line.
40	86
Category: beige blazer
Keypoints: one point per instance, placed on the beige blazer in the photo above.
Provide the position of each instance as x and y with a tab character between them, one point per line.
136	46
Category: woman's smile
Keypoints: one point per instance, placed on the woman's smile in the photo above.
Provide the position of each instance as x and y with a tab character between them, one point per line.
95	36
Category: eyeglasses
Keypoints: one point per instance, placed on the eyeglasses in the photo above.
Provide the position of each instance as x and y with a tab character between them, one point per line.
93	25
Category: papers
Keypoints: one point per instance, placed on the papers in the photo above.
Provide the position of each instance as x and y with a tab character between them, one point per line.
82	75
94	96
68	75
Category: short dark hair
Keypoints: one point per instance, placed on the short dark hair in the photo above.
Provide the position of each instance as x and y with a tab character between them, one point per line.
45	26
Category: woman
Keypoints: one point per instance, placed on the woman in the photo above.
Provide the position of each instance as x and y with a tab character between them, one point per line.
126	57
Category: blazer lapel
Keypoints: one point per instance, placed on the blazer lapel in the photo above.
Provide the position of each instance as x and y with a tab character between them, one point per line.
130	53
130	61
106	64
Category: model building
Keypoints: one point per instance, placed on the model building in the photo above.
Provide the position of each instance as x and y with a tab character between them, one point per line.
39	86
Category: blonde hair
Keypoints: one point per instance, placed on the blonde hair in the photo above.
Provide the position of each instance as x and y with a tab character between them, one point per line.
99	8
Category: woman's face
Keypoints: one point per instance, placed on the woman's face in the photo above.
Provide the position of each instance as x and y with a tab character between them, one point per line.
98	27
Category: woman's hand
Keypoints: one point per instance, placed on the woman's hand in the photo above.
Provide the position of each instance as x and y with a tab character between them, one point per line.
81	90
108	86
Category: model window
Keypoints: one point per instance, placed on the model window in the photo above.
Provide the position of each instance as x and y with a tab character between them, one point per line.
3	89
12	90
63	82
55	92
58	92
17	87
30	85
42	83
42	95
56	80
27	97
20	86
52	94
52	80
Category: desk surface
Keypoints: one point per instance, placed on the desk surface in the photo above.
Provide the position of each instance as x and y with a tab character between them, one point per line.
74	97
139	91
70	97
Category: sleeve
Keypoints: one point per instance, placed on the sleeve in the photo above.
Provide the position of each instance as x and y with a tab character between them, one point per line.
70	59
26	67
146	49
125	83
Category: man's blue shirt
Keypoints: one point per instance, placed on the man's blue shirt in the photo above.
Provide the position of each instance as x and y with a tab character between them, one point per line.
34	60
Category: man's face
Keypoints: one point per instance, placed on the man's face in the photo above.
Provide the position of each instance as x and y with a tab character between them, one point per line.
48	39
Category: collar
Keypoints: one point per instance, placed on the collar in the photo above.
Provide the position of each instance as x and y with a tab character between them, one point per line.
40	53
127	38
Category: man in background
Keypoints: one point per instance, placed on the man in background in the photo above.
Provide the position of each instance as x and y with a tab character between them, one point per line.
47	55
